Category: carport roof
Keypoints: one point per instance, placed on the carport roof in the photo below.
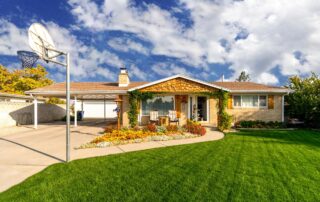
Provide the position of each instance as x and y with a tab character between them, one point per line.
84	88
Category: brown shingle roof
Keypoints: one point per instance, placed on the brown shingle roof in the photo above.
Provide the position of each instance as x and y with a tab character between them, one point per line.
250	86
113	86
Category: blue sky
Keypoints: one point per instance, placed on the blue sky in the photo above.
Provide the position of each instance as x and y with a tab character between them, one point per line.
270	40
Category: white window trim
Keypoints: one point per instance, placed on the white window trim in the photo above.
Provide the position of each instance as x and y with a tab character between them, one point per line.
252	107
174	104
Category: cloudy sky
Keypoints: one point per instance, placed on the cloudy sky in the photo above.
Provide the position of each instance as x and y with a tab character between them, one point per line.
271	40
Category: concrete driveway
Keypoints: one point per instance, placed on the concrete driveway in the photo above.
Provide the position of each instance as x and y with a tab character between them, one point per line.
26	151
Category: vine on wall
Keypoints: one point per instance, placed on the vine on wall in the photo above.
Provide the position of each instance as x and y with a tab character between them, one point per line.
134	97
224	119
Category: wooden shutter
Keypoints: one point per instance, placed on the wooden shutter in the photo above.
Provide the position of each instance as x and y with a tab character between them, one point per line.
230	102
178	105
270	102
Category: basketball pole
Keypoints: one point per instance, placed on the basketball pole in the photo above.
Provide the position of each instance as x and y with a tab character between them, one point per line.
67	65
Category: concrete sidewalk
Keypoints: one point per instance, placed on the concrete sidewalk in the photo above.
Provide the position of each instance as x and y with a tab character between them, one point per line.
25	151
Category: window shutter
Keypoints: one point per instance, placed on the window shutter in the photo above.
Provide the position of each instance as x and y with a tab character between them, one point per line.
270	102
178	105
230	102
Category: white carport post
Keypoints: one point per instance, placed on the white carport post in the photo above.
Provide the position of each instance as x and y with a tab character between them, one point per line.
75	112
282	108
35	112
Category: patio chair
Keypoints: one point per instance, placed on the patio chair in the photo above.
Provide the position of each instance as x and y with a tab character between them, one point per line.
154	116
173	117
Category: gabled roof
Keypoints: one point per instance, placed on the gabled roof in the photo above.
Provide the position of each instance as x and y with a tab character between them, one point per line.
179	76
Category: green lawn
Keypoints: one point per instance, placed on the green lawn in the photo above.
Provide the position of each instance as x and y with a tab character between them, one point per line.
244	166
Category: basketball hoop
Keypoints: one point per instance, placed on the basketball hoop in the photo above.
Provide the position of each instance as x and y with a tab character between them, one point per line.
27	58
42	45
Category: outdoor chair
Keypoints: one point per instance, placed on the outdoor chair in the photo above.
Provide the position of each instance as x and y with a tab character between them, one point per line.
173	117
154	116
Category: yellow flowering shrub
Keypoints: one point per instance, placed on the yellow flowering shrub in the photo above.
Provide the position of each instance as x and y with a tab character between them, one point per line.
121	135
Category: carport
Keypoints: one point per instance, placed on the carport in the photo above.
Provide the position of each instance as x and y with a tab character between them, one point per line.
96	103
90	94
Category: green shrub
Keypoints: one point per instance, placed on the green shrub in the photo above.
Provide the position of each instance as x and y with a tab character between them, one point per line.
161	129
224	121
259	124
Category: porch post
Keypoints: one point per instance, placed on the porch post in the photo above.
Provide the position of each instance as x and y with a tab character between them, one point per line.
35	113
75	112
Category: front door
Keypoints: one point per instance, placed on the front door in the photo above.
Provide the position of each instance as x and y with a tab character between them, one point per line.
198	108
202	109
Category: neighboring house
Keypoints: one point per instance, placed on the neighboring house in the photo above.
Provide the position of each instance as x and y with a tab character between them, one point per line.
185	95
6	97
19	110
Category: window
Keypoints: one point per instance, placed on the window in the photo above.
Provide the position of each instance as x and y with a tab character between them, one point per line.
263	101
161	104
237	101
247	101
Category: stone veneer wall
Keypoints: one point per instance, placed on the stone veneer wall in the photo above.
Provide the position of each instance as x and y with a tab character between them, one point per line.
274	114
124	110
213	111
178	85
12	114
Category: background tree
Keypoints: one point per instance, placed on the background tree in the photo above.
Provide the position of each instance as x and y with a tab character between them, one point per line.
54	100
243	77
304	102
21	80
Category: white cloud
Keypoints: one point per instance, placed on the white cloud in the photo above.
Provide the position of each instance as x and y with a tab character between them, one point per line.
276	29
166	69
154	25
135	71
127	45
85	60
267	78
12	38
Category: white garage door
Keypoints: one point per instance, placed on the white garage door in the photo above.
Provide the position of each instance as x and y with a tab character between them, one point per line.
95	109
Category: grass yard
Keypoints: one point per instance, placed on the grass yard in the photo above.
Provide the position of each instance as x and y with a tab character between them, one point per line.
244	166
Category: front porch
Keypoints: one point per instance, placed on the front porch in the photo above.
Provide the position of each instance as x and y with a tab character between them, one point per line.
186	97
197	107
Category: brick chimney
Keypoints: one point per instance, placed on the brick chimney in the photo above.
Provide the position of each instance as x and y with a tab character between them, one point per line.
123	79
